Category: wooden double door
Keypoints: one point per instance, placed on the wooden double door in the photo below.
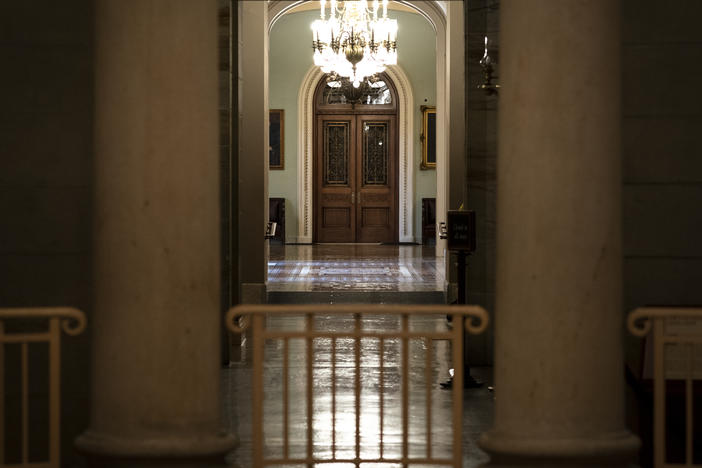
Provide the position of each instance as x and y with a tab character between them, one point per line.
356	178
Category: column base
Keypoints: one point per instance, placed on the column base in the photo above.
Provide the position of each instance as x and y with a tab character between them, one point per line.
615	449
182	452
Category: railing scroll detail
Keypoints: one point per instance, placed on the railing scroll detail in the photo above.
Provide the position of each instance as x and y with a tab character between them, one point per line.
72	321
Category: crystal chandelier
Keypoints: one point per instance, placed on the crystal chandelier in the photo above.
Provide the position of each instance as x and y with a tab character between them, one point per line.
353	41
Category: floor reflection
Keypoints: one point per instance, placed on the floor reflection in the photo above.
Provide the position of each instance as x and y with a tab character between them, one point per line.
354	267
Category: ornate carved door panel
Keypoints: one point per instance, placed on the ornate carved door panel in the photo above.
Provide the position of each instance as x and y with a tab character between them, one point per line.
375	165
355	163
355	178
335	179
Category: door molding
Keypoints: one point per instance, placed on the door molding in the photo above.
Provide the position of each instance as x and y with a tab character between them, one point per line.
305	152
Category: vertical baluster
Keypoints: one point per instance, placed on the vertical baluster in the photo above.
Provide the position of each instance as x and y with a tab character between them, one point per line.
457	348
333	385
286	353
689	405
405	389
25	403
357	386
659	442
382	394
310	387
427	378
257	397
2	393
54	392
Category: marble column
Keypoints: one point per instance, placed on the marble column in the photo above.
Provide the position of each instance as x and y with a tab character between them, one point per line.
156	325
559	371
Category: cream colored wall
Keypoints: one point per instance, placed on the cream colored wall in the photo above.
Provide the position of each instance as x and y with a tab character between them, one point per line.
290	57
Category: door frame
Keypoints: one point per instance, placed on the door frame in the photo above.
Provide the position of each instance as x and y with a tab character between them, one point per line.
356	111
305	161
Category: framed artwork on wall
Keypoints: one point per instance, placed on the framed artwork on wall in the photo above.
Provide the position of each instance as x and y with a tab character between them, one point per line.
428	137
276	139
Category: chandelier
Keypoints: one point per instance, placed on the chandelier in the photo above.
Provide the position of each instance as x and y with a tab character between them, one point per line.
353	41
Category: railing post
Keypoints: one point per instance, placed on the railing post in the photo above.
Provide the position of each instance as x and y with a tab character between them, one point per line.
257	388
309	344
658	394
54	392
405	389
2	390
457	348
71	321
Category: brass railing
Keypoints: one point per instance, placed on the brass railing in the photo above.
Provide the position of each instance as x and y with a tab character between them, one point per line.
72	321
677	355
255	319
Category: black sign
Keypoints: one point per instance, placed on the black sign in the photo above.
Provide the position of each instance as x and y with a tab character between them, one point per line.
270	229
461	230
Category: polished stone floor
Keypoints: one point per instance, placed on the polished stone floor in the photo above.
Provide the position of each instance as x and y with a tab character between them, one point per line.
355	273
360	274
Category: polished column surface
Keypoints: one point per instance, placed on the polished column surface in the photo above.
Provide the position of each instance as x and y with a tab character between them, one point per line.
559	370
155	331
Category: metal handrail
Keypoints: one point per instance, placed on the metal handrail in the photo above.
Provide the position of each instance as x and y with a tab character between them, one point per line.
659	320
243	318
72	321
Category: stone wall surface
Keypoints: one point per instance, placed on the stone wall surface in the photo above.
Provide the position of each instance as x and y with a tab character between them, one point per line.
662	155
46	159
481	19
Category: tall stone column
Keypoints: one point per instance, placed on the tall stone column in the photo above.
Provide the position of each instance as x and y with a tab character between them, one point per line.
156	326
559	371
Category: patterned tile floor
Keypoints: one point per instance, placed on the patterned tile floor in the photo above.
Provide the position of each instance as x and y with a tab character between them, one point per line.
354	268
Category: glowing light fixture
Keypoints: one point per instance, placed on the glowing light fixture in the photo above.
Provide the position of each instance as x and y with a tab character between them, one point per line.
354	40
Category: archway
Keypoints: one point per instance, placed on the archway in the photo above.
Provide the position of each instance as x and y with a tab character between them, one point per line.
356	163
405	151
447	21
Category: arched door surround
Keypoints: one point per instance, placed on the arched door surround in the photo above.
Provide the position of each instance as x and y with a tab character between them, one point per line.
355	164
447	20
405	122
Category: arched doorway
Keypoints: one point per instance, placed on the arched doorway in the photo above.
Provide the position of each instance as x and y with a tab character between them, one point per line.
356	162
446	18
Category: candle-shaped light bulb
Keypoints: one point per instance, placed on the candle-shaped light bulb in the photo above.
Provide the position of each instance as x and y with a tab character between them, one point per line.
321	8
485	61
375	9
385	8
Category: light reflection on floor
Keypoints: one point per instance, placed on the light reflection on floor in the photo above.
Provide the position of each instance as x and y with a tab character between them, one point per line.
354	267
355	273
478	403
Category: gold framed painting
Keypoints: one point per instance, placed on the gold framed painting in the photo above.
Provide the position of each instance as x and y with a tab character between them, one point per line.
276	139
428	137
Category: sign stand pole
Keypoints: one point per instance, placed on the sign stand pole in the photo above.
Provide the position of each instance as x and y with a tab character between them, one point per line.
459	231
468	380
